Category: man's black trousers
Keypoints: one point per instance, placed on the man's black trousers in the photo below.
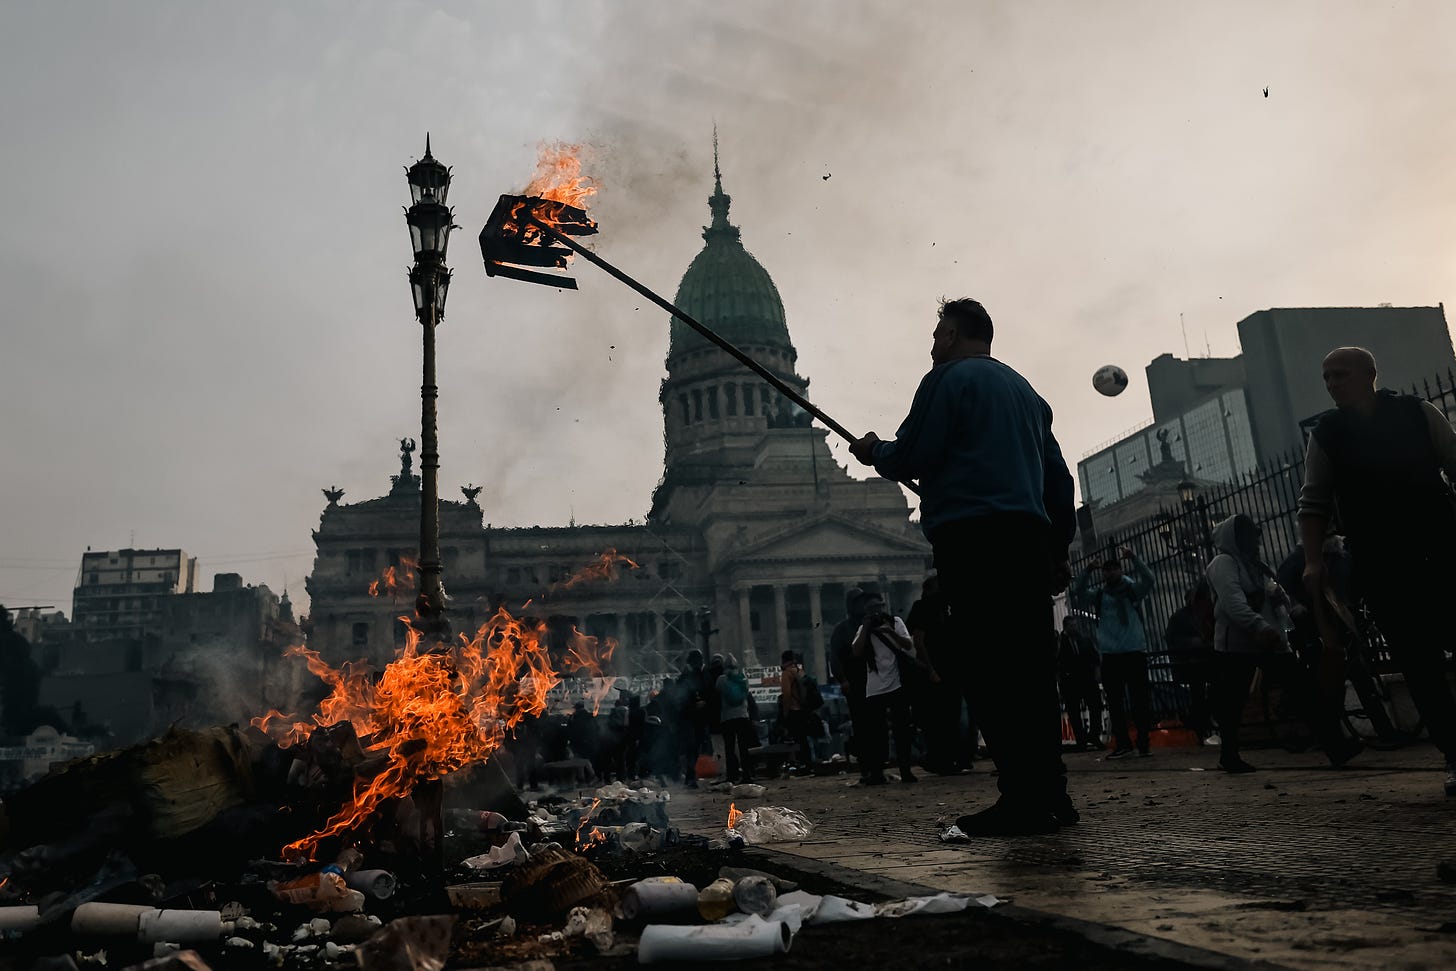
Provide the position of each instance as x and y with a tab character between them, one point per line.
995	572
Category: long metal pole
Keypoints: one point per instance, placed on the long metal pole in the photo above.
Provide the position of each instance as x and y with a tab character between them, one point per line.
703	329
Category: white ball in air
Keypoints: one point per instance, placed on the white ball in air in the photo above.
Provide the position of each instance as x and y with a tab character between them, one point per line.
1110	380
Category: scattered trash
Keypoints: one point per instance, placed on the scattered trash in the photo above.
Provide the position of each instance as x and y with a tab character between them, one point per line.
941	903
755	895
661	900
827	909
770	824
752	937
509	853
592	923
715	901
748	790
409	944
378	884
954	834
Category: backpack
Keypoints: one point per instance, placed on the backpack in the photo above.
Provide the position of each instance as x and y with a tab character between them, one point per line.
735	690
811	700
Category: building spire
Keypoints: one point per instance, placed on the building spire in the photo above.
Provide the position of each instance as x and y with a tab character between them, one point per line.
718	202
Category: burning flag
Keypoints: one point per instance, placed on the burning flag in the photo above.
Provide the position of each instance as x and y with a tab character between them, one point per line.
556	196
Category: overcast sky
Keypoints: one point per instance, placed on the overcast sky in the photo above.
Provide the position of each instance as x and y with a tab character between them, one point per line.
202	256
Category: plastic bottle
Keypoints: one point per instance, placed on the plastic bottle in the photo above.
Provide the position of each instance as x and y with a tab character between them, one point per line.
715	901
312	889
755	895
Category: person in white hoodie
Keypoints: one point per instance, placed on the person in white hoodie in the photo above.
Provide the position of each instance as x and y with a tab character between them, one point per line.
1250	625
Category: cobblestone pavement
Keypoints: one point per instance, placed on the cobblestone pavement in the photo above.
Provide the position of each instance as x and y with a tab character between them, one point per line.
1298	863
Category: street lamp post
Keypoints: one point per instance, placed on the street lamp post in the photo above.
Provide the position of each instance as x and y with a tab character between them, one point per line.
430	221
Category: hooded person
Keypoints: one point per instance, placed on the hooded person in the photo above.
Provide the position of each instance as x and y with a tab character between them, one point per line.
739	735
1250	632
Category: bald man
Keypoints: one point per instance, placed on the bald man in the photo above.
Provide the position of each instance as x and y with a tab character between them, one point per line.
1376	461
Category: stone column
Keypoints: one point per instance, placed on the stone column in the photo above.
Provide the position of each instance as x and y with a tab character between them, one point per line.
781	621
745	627
819	663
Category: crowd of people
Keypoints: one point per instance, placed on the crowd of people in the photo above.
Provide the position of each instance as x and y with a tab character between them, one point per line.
978	657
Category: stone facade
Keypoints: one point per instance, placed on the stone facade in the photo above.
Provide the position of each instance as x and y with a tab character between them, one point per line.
753	536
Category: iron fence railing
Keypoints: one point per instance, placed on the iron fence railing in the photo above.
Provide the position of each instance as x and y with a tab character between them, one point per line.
1177	543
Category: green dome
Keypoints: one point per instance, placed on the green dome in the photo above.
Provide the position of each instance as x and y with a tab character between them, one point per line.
728	290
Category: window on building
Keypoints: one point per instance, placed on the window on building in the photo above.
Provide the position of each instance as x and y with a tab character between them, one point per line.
748	400
361	634
712	394
95	578
401	631
535	577
687	416
697	404
730	399
513	576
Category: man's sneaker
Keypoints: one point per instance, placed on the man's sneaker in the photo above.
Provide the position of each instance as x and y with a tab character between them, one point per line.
1235	766
1451	778
1213	740
1120	753
1145	753
1005	820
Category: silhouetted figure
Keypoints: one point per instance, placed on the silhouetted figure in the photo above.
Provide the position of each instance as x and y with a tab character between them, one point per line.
739	735
692	716
1078	682
1122	643
581	733
1189	637
1376	461
884	646
1251	624
847	670
997	507
948	749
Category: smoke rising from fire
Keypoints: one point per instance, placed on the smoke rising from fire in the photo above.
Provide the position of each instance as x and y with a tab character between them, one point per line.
1086	171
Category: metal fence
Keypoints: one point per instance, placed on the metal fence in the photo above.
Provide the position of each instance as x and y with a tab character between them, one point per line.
1177	543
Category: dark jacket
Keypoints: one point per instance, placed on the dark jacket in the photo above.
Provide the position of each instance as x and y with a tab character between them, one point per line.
979	439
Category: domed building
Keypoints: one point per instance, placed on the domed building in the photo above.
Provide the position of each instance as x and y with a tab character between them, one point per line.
753	535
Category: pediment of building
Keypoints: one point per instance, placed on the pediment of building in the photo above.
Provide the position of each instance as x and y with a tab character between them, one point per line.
827	536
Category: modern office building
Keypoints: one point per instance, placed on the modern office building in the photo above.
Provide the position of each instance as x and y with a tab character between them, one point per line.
119	593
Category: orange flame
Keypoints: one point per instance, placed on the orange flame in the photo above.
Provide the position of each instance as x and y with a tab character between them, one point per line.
586	818
604	567
558	175
558	179
733	815
432	712
393	583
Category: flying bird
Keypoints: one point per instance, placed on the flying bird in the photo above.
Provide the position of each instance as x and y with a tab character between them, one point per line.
1266	92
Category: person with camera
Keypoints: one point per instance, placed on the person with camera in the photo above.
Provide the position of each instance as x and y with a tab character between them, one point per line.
1122	643
997	507
884	646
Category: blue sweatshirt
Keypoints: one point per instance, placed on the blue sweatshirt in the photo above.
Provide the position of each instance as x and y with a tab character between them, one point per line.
979	439
1119	618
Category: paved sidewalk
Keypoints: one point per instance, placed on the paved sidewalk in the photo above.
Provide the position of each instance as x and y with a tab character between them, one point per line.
1298	864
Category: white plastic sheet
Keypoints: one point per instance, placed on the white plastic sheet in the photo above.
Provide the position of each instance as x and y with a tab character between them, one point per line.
511	851
770	824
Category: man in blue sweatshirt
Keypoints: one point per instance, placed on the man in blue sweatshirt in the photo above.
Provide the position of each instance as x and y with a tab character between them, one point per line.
997	507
